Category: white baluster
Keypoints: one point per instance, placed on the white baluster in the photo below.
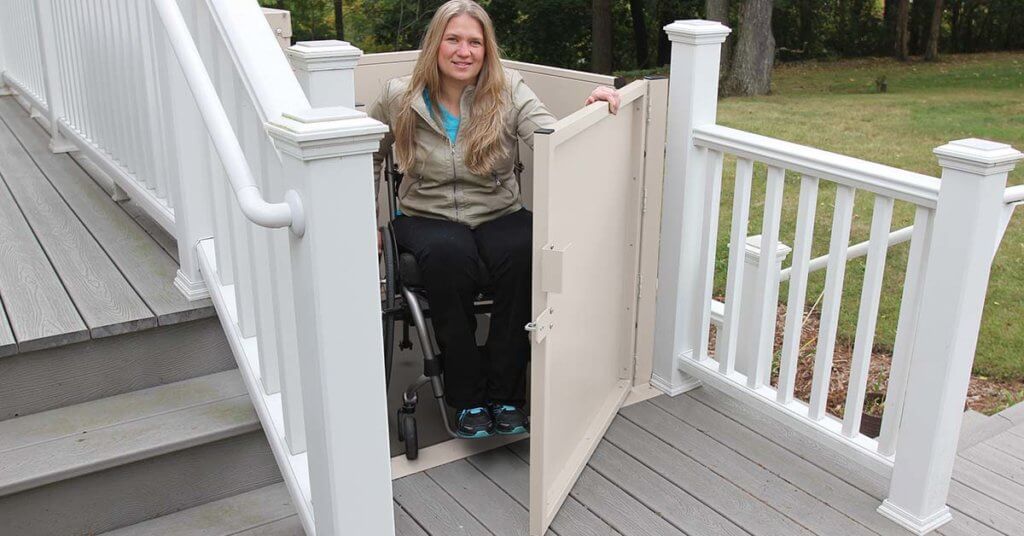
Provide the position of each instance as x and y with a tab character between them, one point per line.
797	288
968	213
693	99
906	329
222	196
842	220
337	302
728	340
153	97
264	298
242	232
67	84
767	293
867	318
5	62
709	246
326	71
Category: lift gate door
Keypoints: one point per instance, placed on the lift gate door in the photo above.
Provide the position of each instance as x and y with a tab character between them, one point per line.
587	209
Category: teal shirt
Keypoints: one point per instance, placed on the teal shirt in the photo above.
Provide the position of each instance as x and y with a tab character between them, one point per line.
449	121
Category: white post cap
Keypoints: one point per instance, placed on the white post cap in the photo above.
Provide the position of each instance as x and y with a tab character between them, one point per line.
317	133
697	32
326	55
979	157
752	250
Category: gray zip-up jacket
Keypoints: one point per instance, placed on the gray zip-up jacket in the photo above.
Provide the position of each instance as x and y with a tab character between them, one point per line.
440	185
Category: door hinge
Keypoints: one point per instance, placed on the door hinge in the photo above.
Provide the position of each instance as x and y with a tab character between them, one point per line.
639	286
542	325
643	203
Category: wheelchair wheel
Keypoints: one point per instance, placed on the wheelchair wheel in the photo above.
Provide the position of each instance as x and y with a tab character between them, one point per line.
390	289
407	432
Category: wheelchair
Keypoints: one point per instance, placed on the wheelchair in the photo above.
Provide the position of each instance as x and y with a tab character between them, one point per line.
404	299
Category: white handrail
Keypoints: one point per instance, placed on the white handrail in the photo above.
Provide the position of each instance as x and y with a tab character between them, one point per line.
878	178
1014	195
253	206
857	250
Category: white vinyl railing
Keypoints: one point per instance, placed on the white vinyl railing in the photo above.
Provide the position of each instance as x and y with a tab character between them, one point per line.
958	223
191	107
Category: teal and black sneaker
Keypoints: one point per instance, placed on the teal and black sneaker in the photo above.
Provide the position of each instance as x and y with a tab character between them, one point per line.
509	420
474	423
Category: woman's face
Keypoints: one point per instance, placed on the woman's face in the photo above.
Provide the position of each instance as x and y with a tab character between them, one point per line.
462	52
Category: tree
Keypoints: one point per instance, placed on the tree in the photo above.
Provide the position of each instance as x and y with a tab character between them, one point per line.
750	72
902	45
718	10
636	10
931	51
339	20
601	32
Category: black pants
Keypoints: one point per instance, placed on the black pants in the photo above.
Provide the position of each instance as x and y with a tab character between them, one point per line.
449	256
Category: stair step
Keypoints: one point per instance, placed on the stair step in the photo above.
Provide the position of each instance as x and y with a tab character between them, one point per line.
121	460
68	442
267	511
977	427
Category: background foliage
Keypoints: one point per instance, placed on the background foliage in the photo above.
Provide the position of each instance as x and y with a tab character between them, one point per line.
557	32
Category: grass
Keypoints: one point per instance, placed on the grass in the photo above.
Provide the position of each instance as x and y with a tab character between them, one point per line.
835	106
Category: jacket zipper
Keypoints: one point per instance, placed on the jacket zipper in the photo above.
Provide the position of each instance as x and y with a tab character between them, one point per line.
455	181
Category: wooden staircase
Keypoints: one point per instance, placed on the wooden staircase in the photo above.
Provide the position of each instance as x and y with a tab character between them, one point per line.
121	407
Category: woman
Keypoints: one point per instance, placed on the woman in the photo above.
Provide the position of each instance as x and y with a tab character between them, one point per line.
454	124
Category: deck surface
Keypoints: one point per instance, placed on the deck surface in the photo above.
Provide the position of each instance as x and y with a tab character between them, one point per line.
74	264
702	464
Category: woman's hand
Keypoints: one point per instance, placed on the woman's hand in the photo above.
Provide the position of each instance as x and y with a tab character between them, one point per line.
607	94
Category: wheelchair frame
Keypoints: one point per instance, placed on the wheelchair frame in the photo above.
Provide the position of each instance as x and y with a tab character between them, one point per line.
402	302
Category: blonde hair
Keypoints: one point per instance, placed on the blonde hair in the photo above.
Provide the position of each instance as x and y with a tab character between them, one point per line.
481	135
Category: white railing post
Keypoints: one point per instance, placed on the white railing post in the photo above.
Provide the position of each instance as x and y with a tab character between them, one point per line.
51	75
5	65
190	182
326	71
327	154
693	101
751	318
959	258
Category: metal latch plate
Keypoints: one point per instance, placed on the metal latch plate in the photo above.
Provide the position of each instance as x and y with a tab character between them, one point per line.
542	325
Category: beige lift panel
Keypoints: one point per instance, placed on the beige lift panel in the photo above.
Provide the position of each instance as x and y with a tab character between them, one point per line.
588	179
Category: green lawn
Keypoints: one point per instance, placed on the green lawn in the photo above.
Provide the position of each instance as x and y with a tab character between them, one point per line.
835	106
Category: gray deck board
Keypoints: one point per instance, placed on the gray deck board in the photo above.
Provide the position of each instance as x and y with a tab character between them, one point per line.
405	525
512	474
104	299
755	479
618	508
985	509
289	526
1009	443
719	493
146	266
657	493
8	344
997	461
871	483
826	487
499	512
434	509
39	309
990	483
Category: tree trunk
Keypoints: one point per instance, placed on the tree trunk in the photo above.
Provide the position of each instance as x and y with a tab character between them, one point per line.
903	30
636	9
718	10
339	20
931	52
601	59
754	54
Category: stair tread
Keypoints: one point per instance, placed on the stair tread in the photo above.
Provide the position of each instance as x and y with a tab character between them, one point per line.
63	443
978	427
267	510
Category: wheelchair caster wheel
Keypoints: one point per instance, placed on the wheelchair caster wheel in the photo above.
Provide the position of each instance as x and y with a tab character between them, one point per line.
407	433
